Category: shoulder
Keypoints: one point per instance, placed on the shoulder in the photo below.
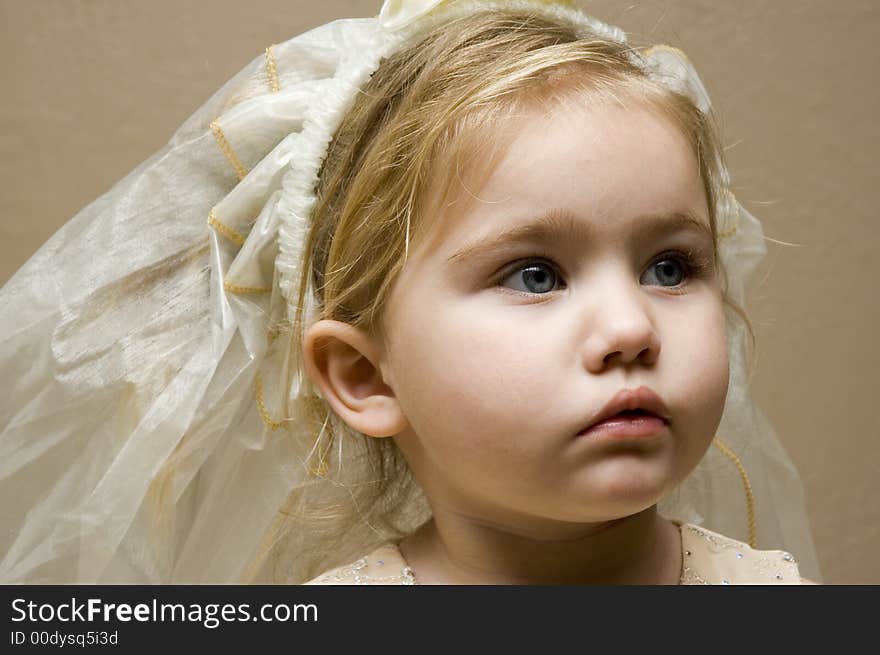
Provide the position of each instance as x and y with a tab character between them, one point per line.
712	558
383	566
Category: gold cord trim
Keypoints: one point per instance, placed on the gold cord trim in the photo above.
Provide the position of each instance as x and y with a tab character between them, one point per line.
272	70
750	498
225	230
319	470
237	238
234	288
268	421
240	170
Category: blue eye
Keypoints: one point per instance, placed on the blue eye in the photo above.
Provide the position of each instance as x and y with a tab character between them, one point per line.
534	277
670	271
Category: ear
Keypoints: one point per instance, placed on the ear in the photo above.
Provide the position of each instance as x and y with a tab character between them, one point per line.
343	361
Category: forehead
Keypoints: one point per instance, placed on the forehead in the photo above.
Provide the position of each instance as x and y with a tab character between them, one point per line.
603	163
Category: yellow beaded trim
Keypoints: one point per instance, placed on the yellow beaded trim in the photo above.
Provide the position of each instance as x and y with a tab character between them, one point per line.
239	239
318	470
750	498
728	233
268	421
272	70
225	230
240	170
234	288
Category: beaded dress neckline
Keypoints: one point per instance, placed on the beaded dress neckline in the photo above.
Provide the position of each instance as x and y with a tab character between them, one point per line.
708	558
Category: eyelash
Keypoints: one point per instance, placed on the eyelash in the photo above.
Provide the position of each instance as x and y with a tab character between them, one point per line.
694	264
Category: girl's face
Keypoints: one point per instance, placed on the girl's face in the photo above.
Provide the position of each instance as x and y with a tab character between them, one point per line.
508	331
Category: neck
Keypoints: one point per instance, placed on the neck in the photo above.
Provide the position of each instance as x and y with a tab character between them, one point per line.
643	548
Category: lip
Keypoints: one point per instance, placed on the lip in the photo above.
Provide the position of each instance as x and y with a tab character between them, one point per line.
642	398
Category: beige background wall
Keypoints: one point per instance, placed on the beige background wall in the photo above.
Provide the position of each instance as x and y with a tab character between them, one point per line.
92	87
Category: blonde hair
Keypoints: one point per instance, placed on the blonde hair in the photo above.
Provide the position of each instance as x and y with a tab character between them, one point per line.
425	110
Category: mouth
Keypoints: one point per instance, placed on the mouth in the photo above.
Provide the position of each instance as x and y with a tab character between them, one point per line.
627	425
634	412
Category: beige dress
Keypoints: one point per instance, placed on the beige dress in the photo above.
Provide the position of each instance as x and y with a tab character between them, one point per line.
707	558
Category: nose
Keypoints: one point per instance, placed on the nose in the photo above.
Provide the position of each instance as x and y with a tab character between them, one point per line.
621	329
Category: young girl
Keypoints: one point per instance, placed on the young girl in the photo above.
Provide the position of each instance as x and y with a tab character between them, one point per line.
468	310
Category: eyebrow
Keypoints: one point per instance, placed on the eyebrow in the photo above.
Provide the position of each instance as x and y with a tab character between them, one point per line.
559	224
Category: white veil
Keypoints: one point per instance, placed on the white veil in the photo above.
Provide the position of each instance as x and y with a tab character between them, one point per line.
148	429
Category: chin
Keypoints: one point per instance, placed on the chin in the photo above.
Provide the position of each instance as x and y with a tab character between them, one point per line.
627	490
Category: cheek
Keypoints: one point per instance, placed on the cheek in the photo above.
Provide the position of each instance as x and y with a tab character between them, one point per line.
464	368
705	378
710	343
719	362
